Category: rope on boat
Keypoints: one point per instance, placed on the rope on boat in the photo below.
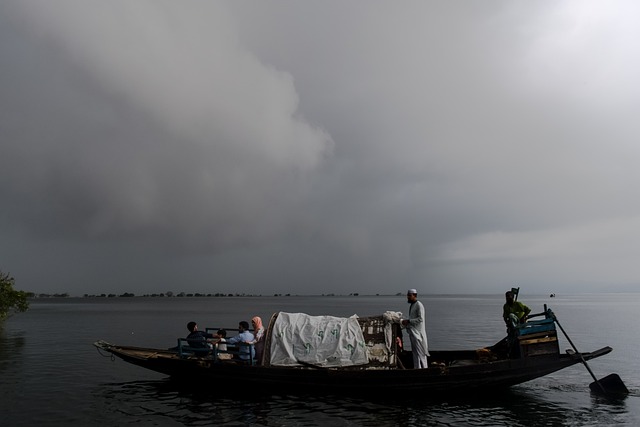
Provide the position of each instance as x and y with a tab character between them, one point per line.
110	355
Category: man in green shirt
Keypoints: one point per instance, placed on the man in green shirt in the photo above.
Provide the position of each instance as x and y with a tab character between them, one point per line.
514	311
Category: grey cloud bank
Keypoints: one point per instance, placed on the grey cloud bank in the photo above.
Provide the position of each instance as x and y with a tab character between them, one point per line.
318	148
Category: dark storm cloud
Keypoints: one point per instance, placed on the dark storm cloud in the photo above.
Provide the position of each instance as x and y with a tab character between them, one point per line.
312	148
118	133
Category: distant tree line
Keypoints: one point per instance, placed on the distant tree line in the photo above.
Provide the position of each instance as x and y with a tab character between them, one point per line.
169	295
12	300
173	295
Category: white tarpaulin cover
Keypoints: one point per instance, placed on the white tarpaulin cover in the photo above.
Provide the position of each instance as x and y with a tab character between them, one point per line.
318	340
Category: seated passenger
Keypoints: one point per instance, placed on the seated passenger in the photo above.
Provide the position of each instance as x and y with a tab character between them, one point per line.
196	338
246	352
258	342
221	345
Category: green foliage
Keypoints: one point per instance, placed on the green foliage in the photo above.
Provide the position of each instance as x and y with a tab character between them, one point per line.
10	299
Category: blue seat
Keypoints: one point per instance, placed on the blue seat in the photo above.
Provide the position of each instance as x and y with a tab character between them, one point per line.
536	326
185	350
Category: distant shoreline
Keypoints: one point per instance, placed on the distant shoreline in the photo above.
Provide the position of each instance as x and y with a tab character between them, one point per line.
40	296
243	295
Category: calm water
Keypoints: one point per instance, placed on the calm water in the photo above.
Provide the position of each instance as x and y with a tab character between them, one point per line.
50	374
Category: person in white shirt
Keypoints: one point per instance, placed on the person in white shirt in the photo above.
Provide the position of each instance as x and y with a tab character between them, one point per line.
415	326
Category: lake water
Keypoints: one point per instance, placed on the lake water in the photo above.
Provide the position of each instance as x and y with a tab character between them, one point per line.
50	373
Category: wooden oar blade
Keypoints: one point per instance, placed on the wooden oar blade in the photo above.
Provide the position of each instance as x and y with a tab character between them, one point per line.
611	384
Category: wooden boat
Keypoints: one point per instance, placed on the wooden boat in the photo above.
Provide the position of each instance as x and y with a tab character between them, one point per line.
529	352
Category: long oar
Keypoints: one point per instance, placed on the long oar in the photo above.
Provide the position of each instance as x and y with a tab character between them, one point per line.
612	380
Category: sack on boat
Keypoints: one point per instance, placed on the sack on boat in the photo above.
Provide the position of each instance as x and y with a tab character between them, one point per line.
298	339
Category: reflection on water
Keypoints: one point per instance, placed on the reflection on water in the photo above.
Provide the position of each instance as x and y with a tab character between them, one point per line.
11	348
11	364
168	403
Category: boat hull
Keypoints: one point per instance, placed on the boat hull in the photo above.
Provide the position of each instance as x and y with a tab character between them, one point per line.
464	378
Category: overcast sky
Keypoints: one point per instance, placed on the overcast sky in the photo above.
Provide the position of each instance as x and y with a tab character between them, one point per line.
317	147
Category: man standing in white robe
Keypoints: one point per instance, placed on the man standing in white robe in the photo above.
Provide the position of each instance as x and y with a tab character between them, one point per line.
415	326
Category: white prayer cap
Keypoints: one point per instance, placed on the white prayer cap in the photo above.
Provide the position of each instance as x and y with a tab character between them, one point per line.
412	291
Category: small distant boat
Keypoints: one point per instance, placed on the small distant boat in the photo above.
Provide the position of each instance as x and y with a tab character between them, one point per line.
378	363
552	296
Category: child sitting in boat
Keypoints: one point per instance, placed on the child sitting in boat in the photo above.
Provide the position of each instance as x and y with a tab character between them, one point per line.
221	346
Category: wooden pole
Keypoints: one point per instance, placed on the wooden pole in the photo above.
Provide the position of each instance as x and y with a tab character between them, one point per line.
579	354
